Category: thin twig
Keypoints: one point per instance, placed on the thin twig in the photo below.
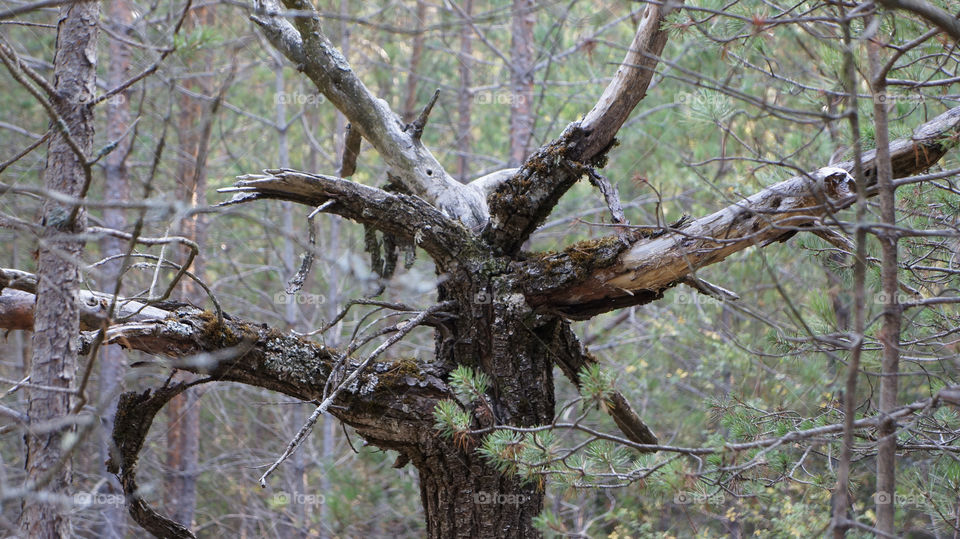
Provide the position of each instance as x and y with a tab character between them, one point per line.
322	408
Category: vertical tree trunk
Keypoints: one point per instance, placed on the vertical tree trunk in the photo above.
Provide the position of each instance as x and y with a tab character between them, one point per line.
295	467
183	412
521	81
890	332
410	105
116	188
464	95
462	495
842	499
57	316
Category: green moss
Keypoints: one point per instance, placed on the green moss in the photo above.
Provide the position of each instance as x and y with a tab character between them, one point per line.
587	254
219	332
399	370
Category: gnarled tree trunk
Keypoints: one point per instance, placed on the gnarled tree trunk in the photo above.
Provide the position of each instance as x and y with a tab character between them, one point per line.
497	333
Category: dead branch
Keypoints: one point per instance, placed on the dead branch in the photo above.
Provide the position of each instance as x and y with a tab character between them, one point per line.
520	203
653	264
304	43
404	216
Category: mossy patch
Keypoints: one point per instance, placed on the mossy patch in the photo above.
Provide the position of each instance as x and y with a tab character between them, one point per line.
398	371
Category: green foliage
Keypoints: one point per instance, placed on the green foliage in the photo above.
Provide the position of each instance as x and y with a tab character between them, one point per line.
450	419
595	383
469	384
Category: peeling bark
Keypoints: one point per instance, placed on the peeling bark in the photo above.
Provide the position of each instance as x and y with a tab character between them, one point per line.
521	203
651	265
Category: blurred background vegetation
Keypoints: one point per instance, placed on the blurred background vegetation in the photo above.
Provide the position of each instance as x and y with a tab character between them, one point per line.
736	107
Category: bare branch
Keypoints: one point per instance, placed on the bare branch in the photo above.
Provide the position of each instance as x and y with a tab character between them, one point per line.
572	360
943	20
630	83
520	203
304	43
653	264
349	381
421	120
404	216
27	8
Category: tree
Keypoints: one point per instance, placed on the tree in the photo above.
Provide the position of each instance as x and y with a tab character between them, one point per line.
53	368
117	187
476	419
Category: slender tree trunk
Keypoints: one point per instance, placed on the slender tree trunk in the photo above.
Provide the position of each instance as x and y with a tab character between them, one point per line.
842	500
464	95
521	81
56	315
183	412
410	105
890	331
116	188
295	467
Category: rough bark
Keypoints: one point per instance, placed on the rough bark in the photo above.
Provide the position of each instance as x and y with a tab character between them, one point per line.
57	315
650	265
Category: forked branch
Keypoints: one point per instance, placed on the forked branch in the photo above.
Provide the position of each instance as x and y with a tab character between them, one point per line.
652	264
521	201
304	43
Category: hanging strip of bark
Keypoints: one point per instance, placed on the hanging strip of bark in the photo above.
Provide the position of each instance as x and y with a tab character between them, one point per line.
296	282
351	150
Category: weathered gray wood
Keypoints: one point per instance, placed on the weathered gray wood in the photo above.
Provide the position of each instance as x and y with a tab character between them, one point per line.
304	43
652	265
519	203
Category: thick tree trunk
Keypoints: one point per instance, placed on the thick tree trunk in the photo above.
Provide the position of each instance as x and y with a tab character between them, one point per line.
57	314
463	497
497	333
